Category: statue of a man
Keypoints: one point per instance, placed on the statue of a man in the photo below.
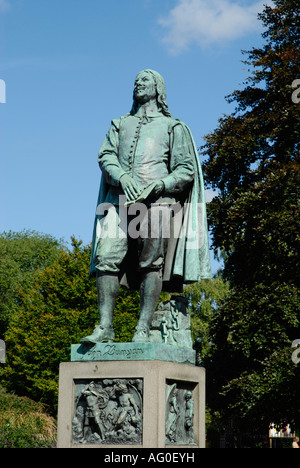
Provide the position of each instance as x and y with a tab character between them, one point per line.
149	163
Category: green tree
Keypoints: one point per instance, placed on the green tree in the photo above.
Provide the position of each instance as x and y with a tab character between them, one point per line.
260	140
205	297
22	254
252	376
253	162
59	309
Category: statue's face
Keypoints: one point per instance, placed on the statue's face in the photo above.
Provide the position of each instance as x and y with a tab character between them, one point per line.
144	88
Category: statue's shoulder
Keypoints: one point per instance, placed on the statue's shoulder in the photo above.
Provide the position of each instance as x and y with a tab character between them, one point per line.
116	122
175	123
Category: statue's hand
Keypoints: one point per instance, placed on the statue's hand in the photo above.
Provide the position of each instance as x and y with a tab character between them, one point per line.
130	187
158	189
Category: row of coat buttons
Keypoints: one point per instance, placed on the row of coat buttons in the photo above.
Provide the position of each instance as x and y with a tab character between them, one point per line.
135	139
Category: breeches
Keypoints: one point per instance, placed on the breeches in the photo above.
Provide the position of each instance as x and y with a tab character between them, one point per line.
142	236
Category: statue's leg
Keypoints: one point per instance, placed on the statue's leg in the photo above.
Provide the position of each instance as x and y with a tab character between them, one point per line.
151	263
107	290
111	251
150	290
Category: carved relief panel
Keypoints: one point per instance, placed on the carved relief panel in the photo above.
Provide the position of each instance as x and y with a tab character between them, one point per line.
108	411
179	413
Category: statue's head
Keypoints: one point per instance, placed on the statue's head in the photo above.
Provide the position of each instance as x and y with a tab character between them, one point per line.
154	84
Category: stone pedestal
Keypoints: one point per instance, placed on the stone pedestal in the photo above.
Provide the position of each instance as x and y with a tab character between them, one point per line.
130	403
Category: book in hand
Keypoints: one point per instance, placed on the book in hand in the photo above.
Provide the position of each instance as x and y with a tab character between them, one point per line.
146	193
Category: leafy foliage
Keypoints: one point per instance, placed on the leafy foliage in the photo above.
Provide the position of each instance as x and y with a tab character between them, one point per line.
25	423
260	230
59	309
253	162
264	129
21	255
205	298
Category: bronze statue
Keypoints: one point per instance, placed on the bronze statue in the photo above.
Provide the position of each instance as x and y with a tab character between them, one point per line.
149	166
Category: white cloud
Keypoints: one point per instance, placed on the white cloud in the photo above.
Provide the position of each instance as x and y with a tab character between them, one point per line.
4	6
207	22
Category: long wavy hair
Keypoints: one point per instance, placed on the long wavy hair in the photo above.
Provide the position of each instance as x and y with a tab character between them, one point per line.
161	93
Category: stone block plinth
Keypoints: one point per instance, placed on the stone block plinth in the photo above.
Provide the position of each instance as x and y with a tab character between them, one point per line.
126	404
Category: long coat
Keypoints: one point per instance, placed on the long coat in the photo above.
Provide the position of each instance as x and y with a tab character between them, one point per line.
187	260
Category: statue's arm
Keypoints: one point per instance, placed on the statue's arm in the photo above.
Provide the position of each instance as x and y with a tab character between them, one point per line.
108	156
181	161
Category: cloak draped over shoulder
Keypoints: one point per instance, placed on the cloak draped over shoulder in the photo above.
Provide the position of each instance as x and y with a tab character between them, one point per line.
187	260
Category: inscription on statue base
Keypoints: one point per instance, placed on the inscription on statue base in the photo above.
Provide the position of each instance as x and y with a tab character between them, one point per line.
132	352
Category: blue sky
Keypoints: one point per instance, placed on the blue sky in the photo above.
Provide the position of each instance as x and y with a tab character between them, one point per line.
69	68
